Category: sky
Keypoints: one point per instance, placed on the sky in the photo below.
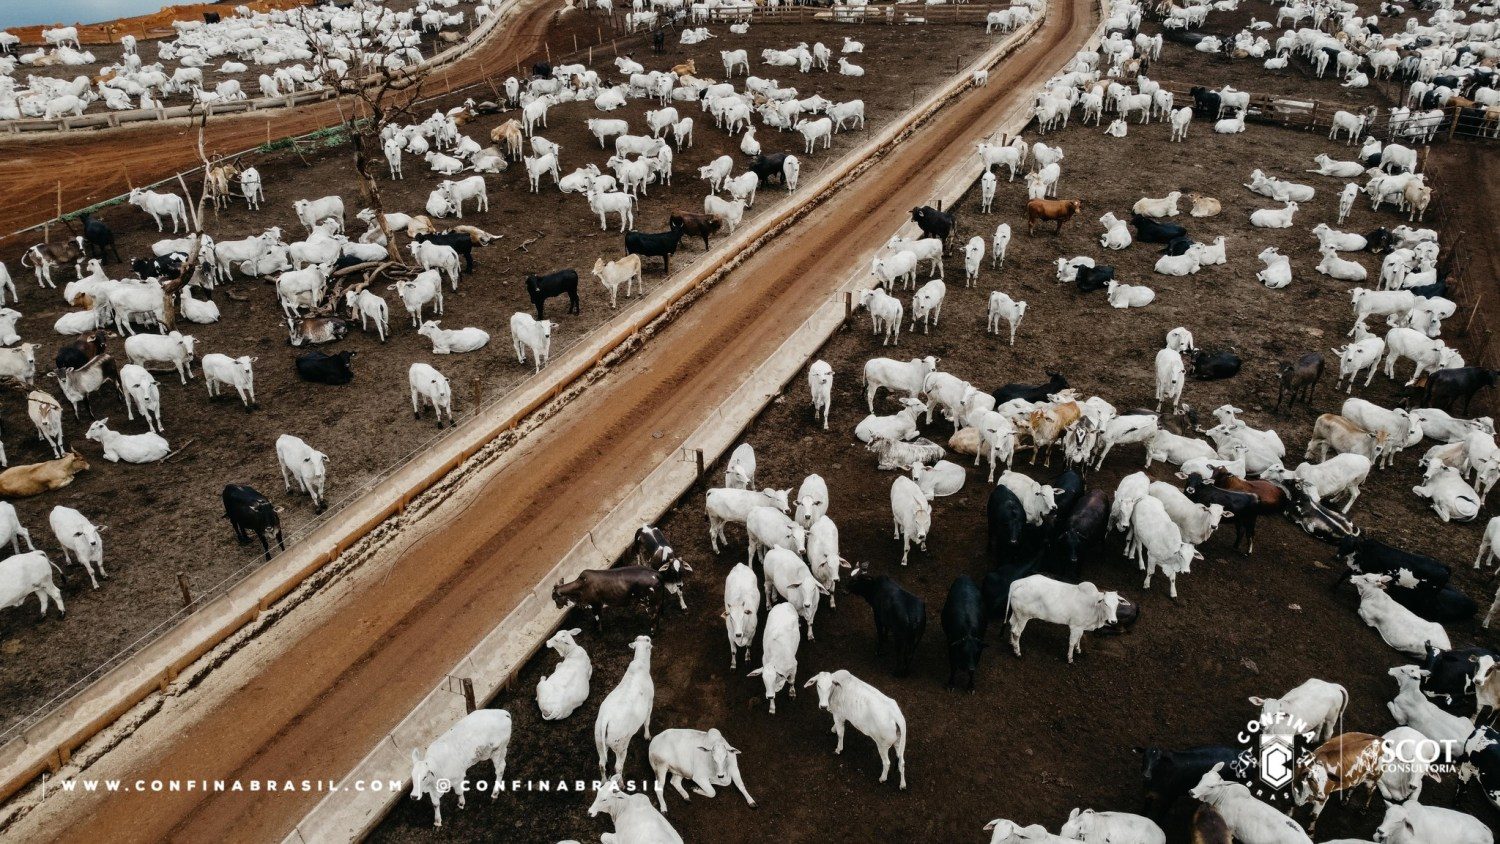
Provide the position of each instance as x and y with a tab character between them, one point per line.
28	12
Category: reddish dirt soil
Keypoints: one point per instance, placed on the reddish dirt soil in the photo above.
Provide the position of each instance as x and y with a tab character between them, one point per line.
1039	737
356	667
224	444
108	54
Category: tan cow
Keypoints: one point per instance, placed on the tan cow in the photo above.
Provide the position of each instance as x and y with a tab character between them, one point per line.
1049	425
1051	210
1343	436
37	478
511	135
687	68
1341	763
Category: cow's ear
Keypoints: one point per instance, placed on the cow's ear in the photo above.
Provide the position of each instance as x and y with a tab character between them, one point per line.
1257	701
575	631
101	528
1073	814
755	673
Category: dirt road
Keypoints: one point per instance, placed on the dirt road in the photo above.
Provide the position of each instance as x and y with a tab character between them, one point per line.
355	667
94	166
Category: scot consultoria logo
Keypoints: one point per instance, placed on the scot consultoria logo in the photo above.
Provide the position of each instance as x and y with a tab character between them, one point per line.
1272	748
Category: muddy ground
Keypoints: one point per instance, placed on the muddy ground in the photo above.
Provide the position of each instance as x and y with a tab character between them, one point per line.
168	519
108	54
1039	736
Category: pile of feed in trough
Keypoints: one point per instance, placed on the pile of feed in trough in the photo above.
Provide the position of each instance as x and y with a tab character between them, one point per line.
168	519
1038	737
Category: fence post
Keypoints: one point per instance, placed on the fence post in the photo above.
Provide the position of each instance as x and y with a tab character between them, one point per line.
187	595
698	457
469	704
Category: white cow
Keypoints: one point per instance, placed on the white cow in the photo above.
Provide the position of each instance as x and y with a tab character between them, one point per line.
778	663
626	709
560	693
1398	626
29	574
741	610
705	758
1082	607
1249	819
482	734
850	699
239	373
306	464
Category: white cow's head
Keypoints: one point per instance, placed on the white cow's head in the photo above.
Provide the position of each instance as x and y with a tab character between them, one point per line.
423	778
610	799
721	753
825	684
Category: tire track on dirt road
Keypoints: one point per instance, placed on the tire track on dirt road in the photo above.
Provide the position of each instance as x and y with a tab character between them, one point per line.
31	166
310	700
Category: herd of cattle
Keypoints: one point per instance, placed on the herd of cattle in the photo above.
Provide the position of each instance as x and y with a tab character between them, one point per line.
1039	533
299	49
323	282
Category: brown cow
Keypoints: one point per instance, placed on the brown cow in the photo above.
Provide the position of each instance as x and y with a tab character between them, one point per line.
1049	424
696	225
687	68
1272	497
600	588
1209	827
1341	763
510	133
37	478
1061	210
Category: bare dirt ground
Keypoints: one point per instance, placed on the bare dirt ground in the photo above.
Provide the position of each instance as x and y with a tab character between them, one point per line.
365	428
1039	737
351	668
108	54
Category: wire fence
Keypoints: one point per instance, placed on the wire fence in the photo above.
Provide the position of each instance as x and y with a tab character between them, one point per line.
1419	126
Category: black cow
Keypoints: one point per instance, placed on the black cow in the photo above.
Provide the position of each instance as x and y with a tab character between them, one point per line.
1006	525
1482	752
655	245
770	168
250	512
658	40
540	288
1068	488
1450	675
1178	245
1213	366
1242	508
1448	385
934	223
83	349
596	589
1371	556
1443	606
541	70
319	368
963	625
1170	774
1031	392
1205	102
996	586
461	242
98	239
1082	529
1148	230
898	614
1090	279
1379	240
652	551
163	267
1434	290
